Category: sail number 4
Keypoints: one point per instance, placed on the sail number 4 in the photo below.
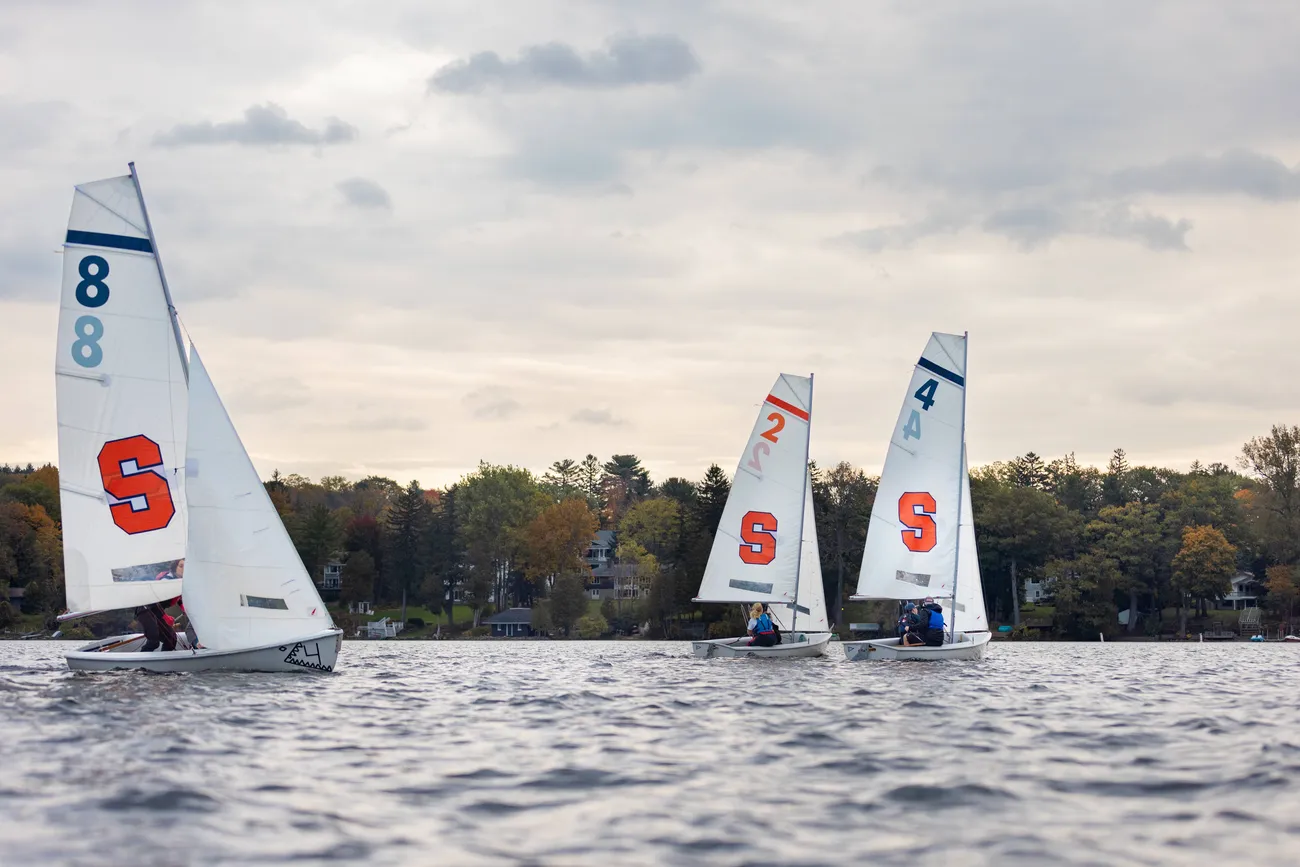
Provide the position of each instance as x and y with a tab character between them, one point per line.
758	538
91	292
925	394
144	495
916	512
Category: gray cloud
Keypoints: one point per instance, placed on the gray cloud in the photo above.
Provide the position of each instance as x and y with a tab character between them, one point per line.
1028	227
1152	230
364	193
491	404
901	235
600	417
262	125
1242	172
628	61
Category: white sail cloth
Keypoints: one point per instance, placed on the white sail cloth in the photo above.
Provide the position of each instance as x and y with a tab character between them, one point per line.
765	547
245	585
914	546
122	404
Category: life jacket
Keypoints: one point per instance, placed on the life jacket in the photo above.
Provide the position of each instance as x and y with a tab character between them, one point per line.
764	625
936	615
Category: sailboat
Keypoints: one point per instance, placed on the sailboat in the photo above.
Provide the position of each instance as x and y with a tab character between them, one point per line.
765	549
151	469
921	538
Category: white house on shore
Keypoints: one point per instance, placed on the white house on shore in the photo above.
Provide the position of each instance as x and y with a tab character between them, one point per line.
1245	593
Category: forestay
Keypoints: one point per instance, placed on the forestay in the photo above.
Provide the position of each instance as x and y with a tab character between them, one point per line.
121	394
912	537
756	550
245	585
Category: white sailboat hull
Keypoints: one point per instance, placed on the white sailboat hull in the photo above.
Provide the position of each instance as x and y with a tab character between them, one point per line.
794	645
968	645
313	653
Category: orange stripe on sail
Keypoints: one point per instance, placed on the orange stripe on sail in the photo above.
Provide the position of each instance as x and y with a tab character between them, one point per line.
788	407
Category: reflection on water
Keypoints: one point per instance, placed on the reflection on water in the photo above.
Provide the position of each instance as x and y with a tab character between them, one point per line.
635	753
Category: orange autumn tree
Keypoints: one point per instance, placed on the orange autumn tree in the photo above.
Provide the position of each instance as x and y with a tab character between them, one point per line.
556	539
1203	568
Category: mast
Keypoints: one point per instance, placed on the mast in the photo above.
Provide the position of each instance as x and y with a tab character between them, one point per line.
803	507
961	475
157	258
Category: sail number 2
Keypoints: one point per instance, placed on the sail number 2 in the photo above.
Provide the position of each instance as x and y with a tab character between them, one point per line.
778	424
91	292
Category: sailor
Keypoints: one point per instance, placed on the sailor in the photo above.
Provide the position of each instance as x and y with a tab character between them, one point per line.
934	630
902	617
760	627
156	629
917	621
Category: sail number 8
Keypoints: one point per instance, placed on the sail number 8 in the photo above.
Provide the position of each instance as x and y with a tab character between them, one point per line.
91	292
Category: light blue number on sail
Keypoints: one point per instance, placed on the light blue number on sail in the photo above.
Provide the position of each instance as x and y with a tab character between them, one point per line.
86	350
912	430
925	394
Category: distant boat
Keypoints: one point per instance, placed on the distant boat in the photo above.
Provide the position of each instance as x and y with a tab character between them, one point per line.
921	538
765	548
151	469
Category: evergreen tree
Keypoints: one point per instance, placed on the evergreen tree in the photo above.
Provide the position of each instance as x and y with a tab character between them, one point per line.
405	534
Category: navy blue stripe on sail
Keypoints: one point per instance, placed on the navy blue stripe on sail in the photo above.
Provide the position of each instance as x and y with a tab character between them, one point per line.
942	371
119	242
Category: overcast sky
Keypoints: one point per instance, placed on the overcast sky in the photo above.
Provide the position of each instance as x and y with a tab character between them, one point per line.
410	235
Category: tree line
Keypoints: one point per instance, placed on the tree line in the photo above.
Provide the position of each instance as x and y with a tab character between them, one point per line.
1145	539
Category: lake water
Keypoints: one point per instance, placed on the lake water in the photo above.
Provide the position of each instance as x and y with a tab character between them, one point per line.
630	753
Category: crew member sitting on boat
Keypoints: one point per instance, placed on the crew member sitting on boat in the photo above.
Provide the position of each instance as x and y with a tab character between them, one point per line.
918	620
934	629
760	627
153	623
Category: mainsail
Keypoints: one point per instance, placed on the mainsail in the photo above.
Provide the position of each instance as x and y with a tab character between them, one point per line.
245	585
914	546
121	391
757	550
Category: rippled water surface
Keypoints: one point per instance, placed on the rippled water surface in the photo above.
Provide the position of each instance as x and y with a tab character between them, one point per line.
636	753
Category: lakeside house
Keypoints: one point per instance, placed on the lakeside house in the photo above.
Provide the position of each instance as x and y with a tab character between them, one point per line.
511	623
331	578
1037	591
16	595
1245	593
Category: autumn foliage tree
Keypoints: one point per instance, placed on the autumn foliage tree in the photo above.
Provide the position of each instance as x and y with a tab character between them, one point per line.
557	538
1202	568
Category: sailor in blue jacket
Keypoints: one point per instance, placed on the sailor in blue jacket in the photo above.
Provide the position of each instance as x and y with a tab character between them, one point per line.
933	631
760	626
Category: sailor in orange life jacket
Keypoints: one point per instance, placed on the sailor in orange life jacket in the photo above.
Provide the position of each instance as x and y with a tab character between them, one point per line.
760	626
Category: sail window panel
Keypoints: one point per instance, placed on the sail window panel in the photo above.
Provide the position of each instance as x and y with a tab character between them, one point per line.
263	602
